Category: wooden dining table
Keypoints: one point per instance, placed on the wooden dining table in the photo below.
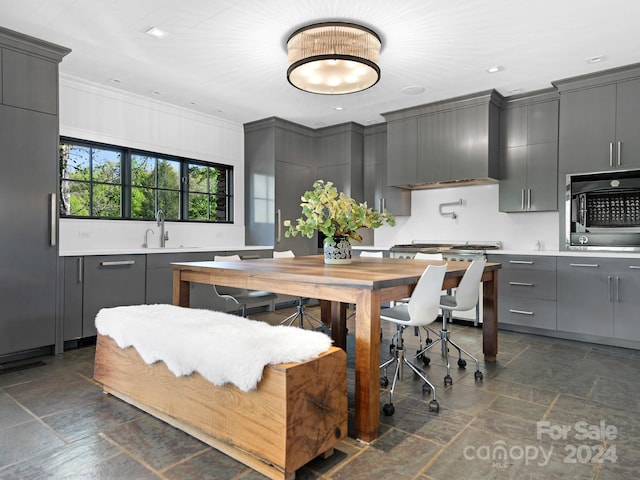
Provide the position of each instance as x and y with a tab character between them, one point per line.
365	282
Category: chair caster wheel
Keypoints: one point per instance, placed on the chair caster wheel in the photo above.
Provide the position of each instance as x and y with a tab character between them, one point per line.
384	382
462	363
433	406
478	375
426	360
426	389
388	409
392	347
448	380
428	341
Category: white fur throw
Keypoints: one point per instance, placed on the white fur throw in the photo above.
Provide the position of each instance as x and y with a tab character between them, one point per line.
221	347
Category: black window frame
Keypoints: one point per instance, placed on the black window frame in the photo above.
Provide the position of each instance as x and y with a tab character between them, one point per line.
126	187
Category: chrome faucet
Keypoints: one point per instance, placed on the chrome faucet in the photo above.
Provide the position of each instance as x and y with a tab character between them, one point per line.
146	243
164	236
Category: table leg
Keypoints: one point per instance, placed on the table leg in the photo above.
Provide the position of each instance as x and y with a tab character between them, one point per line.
490	318
334	314
180	290
367	393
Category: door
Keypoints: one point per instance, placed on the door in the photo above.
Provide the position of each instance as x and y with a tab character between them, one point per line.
626	320
292	181
28	260
627	125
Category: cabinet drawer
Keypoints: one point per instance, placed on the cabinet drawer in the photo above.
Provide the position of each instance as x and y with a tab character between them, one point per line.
525	262
538	284
527	312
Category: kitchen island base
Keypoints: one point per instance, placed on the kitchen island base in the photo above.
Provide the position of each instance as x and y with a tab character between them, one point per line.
297	413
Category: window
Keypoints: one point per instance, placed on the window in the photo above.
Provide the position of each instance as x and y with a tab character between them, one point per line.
101	181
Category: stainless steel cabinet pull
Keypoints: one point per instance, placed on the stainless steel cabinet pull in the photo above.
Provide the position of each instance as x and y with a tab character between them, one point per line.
609	282
528	199
279	220
617	289
522	262
619	152
80	273
53	213
521	312
522	199
521	284
117	263
590	265
611	154
635	267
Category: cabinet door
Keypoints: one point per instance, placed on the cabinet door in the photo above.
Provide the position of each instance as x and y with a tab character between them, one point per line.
435	143
72	309
587	129
28	261
513	179
402	151
513	127
542	177
111	281
542	122
29	82
470	152
584	302
626	322
627	124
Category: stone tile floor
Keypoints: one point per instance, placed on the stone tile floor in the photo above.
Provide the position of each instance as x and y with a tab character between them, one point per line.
547	409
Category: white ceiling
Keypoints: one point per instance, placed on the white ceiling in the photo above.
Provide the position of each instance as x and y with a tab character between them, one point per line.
228	57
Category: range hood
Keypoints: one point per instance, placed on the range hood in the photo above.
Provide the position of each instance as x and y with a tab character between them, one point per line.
449	183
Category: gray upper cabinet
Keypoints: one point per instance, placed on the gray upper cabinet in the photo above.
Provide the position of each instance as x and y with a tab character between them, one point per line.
457	139
598	121
28	194
402	151
377	193
529	153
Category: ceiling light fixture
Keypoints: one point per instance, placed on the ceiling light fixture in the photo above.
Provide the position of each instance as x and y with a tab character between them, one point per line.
156	32
496	69
333	58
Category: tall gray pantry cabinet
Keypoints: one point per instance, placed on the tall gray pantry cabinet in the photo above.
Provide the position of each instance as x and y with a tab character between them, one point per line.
28	193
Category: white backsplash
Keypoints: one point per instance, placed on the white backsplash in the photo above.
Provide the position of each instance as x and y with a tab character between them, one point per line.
477	219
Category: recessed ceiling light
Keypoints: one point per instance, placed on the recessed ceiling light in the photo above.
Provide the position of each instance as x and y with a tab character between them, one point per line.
495	69
155	92
596	59
338	108
413	90
513	91
156	32
115	80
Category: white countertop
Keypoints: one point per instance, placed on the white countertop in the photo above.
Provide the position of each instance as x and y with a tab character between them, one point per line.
153	250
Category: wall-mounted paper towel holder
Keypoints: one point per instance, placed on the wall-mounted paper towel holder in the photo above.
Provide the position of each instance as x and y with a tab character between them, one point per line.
449	204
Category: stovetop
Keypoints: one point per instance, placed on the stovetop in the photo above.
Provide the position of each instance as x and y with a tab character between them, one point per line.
436	247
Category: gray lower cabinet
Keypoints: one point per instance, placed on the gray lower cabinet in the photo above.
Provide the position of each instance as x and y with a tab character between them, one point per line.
72	303
599	297
110	281
527	291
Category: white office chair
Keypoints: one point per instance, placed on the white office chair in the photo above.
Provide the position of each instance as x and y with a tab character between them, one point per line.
465	297
300	313
422	309
241	296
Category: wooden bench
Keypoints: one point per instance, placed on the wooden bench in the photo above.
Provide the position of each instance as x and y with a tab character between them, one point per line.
297	412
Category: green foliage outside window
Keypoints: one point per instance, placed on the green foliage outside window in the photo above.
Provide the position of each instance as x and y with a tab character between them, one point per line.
92	184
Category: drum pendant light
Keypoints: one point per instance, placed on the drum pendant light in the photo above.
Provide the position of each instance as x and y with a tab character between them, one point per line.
333	58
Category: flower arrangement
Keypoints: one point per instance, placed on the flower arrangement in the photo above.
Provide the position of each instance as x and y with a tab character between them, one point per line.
334	215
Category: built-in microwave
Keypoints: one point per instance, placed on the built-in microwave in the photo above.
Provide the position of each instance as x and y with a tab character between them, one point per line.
603	211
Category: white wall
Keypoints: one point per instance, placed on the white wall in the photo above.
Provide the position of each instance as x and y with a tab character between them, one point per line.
93	112
478	219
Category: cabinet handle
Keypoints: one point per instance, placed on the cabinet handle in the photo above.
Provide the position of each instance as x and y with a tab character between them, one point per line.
381	203
52	213
528	199
80	272
522	262
117	263
521	312
617	289
521	284
589	265
611	154
522	199
635	267
619	152
279	220
609	282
